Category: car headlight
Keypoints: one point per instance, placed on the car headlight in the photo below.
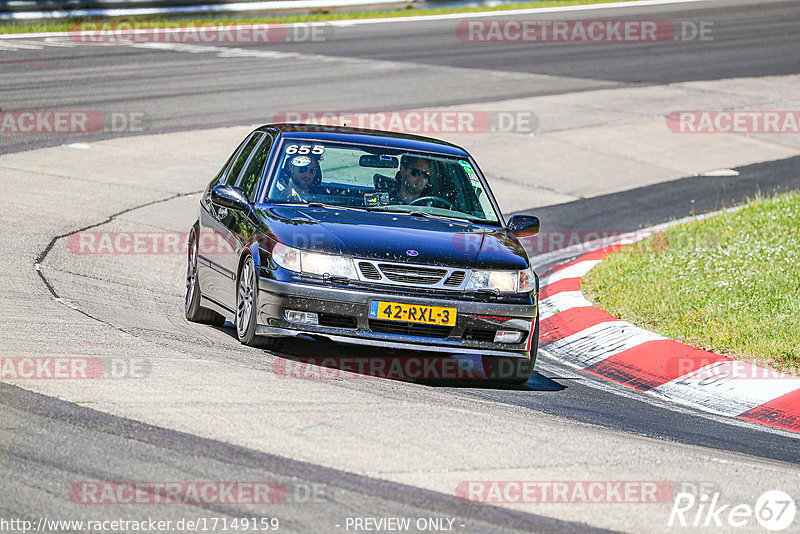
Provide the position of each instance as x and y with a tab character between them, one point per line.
502	281
527	281
286	257
341	266
313	262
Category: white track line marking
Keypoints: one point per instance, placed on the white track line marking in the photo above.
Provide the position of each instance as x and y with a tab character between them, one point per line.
557	368
726	388
578	270
599	342
730	387
562	301
359	22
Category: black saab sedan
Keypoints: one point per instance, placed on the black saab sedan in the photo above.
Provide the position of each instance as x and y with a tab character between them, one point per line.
364	237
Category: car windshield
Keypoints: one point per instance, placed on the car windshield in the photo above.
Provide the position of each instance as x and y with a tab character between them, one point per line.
379	179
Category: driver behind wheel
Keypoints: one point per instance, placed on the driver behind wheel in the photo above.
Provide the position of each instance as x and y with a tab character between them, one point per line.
413	179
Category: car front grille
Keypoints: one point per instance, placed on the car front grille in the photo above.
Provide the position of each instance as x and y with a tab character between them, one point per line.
409	329
336	321
479	334
455	279
409	274
404	274
369	271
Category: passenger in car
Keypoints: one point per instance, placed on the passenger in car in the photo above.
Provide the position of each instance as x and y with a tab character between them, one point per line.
299	176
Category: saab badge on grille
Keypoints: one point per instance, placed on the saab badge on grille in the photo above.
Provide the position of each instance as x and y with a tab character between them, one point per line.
412	253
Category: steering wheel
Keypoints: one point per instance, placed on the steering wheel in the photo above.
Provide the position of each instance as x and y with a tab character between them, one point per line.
449	205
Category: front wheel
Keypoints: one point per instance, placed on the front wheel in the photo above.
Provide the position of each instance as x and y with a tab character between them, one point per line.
247	308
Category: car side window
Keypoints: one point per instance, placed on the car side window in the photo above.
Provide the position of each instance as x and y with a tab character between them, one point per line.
249	179
242	158
216	181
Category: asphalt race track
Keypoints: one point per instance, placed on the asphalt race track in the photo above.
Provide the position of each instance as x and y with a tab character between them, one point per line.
204	408
191	89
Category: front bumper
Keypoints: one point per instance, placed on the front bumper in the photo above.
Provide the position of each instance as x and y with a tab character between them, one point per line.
475	320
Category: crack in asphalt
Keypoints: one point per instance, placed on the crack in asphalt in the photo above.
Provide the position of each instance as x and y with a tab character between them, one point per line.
39	261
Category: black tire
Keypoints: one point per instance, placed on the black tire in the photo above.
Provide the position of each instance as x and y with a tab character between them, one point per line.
514	371
247	308
194	312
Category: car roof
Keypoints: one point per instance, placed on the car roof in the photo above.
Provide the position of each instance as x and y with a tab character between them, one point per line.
346	134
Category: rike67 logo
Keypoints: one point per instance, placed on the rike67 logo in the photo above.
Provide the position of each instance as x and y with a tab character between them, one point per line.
774	510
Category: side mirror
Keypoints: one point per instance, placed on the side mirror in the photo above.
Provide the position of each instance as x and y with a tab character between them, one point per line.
228	196
524	225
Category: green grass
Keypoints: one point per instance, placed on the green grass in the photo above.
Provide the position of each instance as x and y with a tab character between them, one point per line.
729	284
311	16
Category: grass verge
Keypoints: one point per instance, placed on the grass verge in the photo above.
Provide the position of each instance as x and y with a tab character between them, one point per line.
318	15
729	284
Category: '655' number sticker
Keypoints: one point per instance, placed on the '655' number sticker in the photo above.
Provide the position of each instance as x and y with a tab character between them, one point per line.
304	149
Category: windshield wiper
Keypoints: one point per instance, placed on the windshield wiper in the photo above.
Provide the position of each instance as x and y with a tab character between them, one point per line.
415	213
316	204
427	215
434	216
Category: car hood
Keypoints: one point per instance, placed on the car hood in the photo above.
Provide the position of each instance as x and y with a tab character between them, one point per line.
394	237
